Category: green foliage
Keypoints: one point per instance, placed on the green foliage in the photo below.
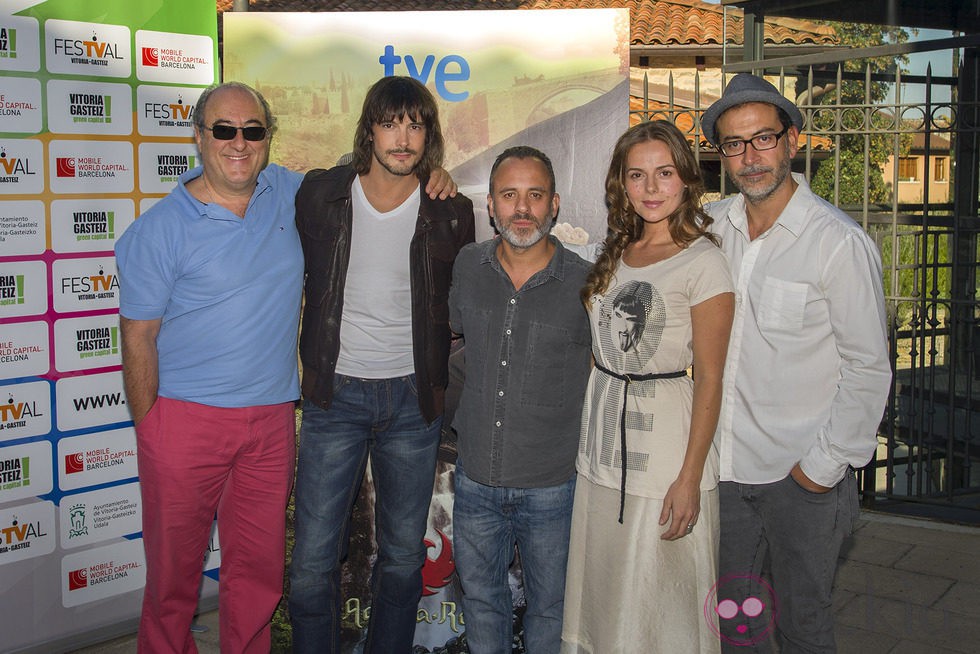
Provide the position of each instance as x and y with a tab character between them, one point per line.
855	134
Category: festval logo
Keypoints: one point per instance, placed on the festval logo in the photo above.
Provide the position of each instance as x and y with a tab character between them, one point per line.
14	414
78	579
65	166
19	532
8	43
11	289
13	165
151	56
74	463
181	111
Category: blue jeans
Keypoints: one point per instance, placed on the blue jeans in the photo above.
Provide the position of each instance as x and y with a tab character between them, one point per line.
380	417
487	521
797	535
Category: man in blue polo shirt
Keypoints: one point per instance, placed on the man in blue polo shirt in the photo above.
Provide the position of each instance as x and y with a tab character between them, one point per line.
211	279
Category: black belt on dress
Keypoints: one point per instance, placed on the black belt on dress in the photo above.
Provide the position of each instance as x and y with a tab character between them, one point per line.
629	378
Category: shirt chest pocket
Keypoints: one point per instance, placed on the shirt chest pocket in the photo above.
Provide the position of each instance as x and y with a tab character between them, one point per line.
782	305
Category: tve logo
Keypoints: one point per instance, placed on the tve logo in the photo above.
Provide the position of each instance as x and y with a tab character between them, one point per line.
451	68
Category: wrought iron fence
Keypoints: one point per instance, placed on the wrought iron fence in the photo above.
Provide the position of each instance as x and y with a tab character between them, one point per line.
929	438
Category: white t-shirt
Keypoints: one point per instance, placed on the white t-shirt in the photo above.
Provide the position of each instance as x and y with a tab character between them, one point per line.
376	326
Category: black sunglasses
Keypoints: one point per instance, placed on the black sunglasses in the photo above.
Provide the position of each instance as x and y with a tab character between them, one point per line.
227	132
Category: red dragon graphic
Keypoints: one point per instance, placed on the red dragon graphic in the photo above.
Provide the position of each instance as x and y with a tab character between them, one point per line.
437	572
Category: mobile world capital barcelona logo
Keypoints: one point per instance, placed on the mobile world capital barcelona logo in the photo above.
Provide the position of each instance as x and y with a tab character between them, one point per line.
8	43
90	107
11	289
79	167
170	58
96	459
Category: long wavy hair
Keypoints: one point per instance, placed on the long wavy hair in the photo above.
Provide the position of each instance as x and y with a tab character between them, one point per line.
624	226
391	99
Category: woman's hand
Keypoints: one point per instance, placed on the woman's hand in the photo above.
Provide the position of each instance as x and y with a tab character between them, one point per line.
682	505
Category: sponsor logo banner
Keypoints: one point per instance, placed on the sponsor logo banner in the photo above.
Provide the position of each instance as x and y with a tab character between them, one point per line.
97	458
90	400
24	349
91	167
174	58
162	163
20	44
85	284
102	572
89	225
25	471
166	110
86	343
99	515
23	289
25	410
21	167
26	531
92	49
20	104
22	227
89	107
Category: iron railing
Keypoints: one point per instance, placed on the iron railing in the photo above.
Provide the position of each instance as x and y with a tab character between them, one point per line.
929	439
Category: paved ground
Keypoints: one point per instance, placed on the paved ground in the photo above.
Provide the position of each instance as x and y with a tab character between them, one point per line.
905	586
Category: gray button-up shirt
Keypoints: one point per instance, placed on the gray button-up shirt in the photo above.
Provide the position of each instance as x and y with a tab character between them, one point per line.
527	366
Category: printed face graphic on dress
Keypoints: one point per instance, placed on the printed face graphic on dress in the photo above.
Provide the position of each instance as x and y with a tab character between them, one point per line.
741	609
627	316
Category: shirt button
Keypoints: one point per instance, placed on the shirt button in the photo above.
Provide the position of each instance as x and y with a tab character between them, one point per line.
513	301
503	363
500	393
497	423
508	332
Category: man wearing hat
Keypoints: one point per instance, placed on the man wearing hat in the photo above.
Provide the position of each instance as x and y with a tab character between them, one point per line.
806	378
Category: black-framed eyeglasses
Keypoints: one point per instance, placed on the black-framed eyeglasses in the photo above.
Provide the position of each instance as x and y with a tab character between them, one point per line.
227	132
760	142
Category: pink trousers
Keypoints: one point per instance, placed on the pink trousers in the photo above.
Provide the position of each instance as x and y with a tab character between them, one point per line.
195	460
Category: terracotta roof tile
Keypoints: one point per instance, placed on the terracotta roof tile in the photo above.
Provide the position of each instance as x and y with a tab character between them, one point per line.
654	22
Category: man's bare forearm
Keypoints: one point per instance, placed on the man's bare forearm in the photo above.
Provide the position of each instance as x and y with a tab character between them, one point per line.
140	364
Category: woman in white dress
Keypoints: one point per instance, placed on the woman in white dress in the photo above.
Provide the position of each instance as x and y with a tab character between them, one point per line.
644	540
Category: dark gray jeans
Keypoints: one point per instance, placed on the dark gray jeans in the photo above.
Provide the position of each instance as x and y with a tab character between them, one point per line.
779	549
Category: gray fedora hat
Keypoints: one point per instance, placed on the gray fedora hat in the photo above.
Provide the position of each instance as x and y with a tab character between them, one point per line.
745	88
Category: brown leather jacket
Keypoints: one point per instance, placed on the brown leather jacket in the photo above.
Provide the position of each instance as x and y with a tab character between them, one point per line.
323	217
